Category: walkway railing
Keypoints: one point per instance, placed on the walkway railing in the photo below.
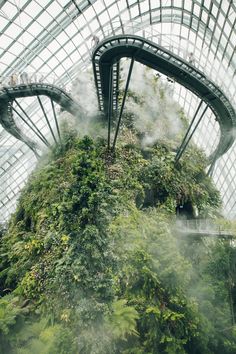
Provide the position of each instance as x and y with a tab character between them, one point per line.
27	78
111	50
203	227
10	106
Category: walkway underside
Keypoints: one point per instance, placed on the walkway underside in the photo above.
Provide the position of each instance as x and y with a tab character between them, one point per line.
8	95
111	50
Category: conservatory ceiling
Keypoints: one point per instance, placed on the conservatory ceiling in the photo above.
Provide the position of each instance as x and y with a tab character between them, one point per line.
52	39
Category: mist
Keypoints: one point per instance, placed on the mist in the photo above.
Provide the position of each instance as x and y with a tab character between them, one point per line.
88	121
88	267
156	113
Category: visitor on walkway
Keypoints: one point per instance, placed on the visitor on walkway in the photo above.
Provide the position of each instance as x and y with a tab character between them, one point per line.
13	79
95	40
24	78
191	58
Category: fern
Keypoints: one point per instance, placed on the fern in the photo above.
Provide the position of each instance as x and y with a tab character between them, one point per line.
122	321
8	313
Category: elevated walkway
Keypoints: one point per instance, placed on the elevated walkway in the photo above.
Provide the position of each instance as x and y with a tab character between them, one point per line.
9	94
203	228
106	58
57	94
107	55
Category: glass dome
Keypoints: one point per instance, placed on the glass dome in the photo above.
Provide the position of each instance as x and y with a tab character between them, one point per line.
53	39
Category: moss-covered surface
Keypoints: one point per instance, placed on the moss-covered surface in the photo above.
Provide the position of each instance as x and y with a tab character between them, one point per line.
90	262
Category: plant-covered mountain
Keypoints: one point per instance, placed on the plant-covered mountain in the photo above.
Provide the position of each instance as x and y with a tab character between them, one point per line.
91	261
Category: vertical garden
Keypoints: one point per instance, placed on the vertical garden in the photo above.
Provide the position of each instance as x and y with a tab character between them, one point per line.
92	260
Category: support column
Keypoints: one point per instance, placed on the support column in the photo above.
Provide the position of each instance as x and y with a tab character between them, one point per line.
34	128
187	132
123	102
110	106
45	115
56	121
180	153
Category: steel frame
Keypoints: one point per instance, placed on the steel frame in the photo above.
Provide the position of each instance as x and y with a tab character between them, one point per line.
153	55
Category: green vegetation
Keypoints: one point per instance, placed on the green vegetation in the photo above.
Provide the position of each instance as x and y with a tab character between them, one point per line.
91	262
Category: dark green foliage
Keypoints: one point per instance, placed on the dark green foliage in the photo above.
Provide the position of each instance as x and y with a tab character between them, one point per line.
89	263
184	183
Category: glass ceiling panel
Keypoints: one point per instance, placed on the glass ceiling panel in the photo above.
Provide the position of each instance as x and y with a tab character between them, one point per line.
9	9
54	40
32	9
54	9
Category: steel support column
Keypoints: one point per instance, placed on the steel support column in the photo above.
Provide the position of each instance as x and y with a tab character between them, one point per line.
56	121
34	128
123	102
19	135
110	106
189	138
45	115
117	86
187	132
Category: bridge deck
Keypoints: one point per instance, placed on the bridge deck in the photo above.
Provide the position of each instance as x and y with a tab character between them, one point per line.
9	94
111	50
203	228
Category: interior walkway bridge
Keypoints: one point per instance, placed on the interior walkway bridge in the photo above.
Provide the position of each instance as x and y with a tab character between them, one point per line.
9	105
106	65
106	57
203	228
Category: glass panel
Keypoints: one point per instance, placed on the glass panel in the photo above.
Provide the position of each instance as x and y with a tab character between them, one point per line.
9	10
60	52
44	19
33	9
54	9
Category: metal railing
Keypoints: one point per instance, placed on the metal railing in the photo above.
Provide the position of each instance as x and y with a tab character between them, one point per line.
181	70
204	227
25	78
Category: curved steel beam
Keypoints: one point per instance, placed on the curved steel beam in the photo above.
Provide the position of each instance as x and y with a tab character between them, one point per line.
9	94
111	50
55	93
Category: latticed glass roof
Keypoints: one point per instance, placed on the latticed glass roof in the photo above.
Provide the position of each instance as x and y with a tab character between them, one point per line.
53	40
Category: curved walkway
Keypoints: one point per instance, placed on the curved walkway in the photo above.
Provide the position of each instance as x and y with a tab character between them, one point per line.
202	228
111	50
9	94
